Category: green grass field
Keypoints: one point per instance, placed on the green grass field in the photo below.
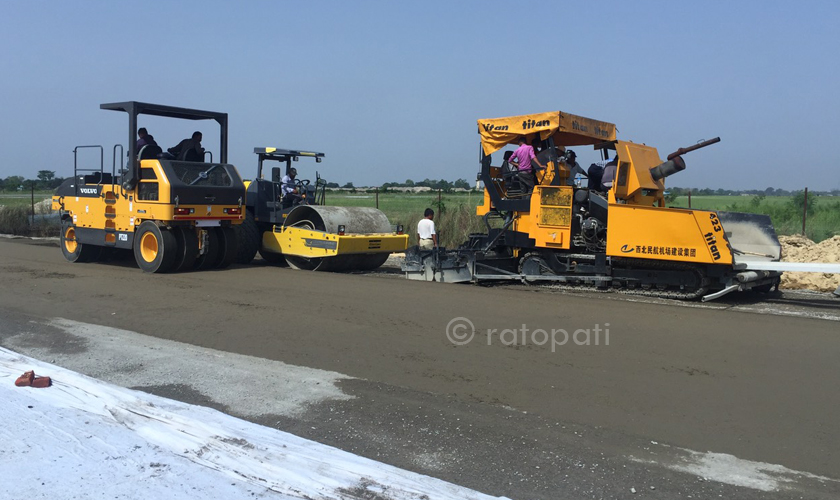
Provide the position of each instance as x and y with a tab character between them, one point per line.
455	216
455	221
719	202
402	206
458	218
822	221
23	199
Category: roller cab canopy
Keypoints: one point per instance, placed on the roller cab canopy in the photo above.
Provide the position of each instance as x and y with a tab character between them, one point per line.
135	108
284	153
566	129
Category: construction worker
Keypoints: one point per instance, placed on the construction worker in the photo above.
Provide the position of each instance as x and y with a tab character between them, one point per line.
524	158
189	149
146	148
289	191
426	236
142	135
570	159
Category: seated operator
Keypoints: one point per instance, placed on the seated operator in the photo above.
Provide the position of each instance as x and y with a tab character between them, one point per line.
570	159
609	175
290	196
189	149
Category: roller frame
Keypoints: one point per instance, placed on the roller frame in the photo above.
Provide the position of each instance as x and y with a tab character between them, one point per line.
313	244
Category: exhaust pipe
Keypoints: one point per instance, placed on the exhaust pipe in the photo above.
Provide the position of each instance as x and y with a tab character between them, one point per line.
670	167
750	276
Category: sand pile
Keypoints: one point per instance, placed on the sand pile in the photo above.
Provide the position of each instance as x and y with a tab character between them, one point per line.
801	249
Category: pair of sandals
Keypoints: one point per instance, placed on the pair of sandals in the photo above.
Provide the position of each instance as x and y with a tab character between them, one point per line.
29	379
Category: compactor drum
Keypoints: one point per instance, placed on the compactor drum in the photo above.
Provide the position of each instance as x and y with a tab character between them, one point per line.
299	231
175	215
338	239
615	233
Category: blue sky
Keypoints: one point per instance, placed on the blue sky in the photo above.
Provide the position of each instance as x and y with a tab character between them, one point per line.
392	90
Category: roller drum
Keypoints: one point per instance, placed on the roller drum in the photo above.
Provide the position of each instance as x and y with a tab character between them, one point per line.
356	220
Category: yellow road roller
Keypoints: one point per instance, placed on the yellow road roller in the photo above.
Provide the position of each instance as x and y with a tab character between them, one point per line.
176	215
299	231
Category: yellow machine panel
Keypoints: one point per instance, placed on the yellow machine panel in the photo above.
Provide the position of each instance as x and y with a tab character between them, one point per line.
550	219
316	244
122	211
556	196
633	181
666	234
546	176
485	206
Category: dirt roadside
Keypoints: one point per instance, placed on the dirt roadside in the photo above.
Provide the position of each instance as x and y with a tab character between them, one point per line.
758	386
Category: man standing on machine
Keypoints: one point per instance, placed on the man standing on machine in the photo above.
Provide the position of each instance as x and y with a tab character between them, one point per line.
525	160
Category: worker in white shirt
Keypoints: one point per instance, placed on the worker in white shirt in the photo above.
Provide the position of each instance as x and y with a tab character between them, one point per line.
426	235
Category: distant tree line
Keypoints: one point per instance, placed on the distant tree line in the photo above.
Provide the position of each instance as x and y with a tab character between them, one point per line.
678	191
441	184
46	179
431	183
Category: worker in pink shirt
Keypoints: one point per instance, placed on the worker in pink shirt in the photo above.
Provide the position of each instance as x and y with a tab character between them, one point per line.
522	160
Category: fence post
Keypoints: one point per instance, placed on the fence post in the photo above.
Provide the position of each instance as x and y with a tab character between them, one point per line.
439	191
32	186
689	198
804	211
377	197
